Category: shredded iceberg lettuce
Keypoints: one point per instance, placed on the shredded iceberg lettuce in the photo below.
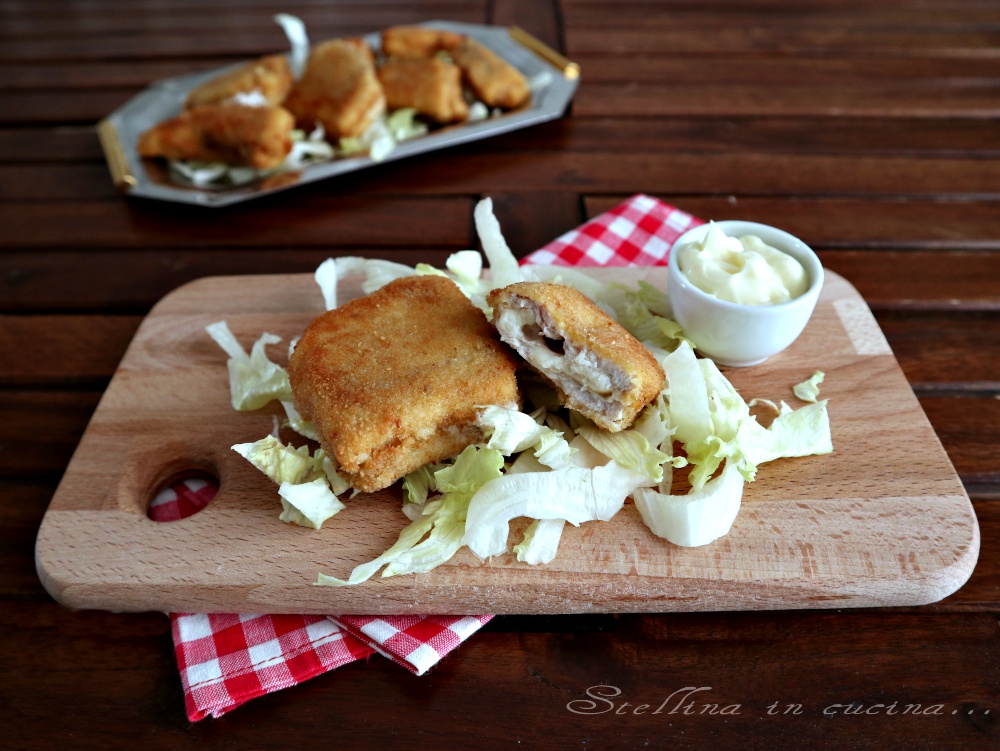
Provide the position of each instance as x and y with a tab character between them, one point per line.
503	265
281	463
541	541
377	273
572	493
326	279
308	504
714	426
808	390
254	380
629	448
436	535
298	40
560	468
308	483
697	518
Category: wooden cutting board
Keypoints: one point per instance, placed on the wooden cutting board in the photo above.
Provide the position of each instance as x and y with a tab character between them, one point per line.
882	521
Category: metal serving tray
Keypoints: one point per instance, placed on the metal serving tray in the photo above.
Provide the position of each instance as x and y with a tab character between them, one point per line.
554	80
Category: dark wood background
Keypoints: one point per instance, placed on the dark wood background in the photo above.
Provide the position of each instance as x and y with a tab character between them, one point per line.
872	130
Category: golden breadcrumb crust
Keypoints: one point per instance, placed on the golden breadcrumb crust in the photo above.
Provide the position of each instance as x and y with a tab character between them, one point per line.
338	90
393	380
270	76
418	41
258	137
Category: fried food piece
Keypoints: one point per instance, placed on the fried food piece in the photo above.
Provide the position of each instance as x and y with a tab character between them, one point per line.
271	76
257	137
495	81
596	365
418	41
431	86
338	89
395	380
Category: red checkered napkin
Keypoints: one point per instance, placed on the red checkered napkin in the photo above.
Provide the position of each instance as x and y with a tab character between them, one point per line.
637	232
226	660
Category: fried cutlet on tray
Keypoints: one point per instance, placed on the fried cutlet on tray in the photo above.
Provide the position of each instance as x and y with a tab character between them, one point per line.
430	85
495	81
396	379
596	365
270	76
258	137
338	90
418	41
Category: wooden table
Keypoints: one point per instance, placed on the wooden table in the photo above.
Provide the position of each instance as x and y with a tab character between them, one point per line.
870	129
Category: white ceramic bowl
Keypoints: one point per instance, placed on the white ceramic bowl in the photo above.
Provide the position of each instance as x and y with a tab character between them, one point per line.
742	335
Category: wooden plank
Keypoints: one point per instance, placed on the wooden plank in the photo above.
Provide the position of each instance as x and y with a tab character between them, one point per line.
666	15
540	666
202	20
736	40
529	224
74	281
540	18
41	429
957	281
946	351
772	74
316	220
625	70
241	43
849	137
966	427
20	514
175	413
868	99
493	168
875	223
39	350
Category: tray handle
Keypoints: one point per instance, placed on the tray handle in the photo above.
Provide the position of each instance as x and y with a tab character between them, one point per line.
569	69
114	154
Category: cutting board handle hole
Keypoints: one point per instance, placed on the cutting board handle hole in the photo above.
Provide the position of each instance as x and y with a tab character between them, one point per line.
182	495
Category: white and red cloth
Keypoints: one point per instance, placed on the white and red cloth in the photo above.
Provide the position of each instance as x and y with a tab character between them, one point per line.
226	660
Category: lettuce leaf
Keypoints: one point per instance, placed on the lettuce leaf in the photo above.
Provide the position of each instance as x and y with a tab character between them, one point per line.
308	504
308	484
808	390
281	463
541	541
435	536
377	272
253	379
697	518
628	448
298	40
504	268
800	432
572	493
326	278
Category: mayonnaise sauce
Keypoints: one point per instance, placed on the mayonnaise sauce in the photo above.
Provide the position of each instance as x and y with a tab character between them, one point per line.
743	270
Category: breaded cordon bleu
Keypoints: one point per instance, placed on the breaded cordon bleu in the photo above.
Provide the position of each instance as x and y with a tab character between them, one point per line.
430	85
259	137
339	89
397	379
492	79
418	41
269	78
597	367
